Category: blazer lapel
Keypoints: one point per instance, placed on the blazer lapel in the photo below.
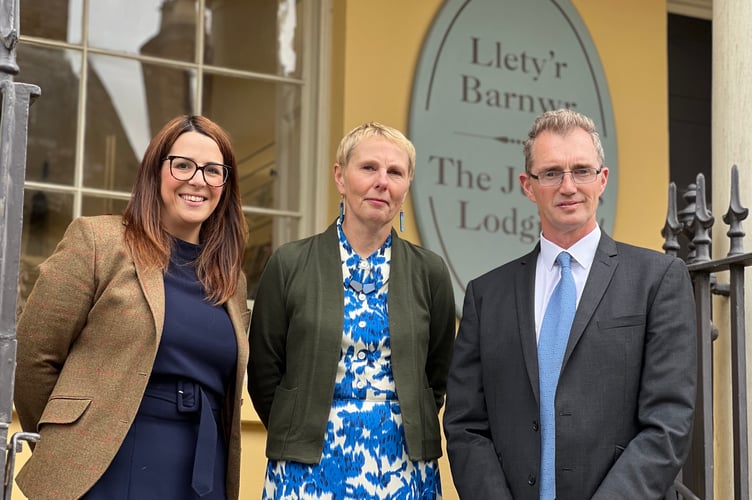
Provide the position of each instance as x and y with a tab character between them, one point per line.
524	286
235	311
601	272
152	284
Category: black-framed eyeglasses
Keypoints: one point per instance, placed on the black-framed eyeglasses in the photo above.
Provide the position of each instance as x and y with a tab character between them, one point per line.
183	169
554	177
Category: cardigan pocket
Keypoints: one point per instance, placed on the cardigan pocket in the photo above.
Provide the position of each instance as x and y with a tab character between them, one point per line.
63	410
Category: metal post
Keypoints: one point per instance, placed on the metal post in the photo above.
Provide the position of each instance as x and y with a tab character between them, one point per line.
734	216
739	384
701	468
700	226
14	119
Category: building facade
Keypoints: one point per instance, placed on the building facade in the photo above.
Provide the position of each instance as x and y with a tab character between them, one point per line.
287	78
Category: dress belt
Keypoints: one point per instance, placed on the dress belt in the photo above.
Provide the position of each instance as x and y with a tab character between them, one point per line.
190	397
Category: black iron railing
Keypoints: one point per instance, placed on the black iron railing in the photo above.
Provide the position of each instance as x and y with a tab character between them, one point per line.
689	230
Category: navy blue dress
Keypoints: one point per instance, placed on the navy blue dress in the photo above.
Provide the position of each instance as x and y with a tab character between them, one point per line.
176	447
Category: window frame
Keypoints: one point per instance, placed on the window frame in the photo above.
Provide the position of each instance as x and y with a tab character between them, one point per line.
314	120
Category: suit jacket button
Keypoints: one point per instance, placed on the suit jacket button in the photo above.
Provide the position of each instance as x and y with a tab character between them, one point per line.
535	425
531	479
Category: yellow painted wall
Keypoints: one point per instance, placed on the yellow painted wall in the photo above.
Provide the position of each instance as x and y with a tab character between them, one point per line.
377	46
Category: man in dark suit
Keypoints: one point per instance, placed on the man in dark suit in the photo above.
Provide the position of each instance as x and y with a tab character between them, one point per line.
620	414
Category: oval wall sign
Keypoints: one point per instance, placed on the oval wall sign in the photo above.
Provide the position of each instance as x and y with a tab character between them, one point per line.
486	70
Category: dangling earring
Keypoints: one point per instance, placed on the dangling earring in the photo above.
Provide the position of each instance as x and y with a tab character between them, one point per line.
341	209
402	221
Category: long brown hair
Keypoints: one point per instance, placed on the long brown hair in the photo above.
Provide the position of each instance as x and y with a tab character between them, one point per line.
223	234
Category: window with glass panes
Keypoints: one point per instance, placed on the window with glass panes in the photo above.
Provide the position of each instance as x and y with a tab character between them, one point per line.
113	72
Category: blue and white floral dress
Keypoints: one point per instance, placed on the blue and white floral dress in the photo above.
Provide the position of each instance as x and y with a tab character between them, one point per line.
365	455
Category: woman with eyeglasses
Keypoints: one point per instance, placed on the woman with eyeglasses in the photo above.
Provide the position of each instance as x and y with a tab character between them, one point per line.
132	346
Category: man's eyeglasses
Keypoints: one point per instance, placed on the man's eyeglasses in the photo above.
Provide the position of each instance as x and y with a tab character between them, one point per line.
554	177
183	169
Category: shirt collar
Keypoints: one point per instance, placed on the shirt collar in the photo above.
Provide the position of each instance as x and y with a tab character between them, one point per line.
582	252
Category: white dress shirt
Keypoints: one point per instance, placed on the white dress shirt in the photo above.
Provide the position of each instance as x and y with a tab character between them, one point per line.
547	273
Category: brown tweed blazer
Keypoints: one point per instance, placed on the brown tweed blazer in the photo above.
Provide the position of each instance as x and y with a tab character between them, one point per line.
87	340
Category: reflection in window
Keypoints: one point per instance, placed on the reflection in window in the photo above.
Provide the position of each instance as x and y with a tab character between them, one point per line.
46	216
128	102
262	36
160	28
58	20
265	136
51	155
112	137
102	206
259	247
239	62
169	93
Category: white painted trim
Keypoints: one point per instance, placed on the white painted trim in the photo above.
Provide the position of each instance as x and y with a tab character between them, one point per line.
702	9
322	126
314	185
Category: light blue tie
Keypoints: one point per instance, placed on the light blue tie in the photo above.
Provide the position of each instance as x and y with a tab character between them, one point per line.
552	342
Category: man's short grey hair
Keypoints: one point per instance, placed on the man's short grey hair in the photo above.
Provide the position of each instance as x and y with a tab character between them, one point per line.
561	121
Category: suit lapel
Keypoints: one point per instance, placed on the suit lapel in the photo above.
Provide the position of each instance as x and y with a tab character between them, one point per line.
525	296
601	272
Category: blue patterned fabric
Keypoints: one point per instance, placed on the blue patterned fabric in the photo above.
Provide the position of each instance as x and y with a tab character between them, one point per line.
554	334
365	455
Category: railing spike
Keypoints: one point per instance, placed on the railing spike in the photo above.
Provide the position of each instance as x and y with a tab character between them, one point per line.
702	222
673	227
686	215
734	216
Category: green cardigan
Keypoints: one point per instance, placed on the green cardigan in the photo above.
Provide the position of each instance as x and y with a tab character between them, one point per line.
296	335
